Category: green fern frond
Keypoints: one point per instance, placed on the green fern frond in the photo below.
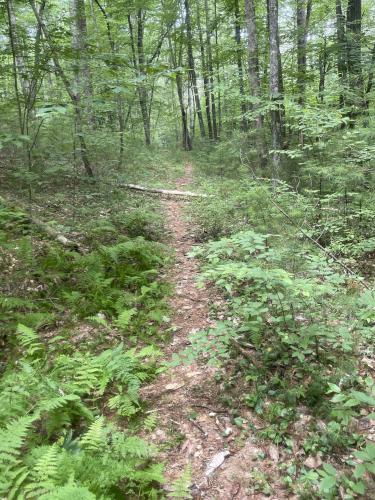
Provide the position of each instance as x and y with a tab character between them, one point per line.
94	438
29	341
123	404
69	492
12	438
181	486
58	402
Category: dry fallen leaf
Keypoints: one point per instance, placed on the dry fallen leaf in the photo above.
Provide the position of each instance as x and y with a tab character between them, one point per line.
273	452
313	462
216	461
173	387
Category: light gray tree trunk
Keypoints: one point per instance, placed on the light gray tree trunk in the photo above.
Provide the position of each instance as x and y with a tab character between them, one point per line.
83	81
192	73
303	18
274	85
253	57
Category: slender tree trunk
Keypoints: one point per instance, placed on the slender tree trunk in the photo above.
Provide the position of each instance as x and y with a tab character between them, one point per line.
14	48
237	30
69	90
274	84
192	73
354	57
341	48
252	43
186	139
206	83
139	66
322	70
119	100
83	81
370	80
210	71
303	17
218	78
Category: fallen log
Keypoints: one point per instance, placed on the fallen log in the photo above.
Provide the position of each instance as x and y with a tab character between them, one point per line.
166	192
44	227
54	234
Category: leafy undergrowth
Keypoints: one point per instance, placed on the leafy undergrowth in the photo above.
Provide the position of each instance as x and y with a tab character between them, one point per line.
70	328
295	338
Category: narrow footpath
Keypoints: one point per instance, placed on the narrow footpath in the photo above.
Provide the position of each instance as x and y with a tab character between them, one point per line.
194	428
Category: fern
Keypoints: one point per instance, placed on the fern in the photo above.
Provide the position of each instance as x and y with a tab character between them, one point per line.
181	486
30	342
69	492
12	438
44	473
94	437
123	404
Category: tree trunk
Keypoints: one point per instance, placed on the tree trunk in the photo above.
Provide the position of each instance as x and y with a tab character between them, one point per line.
210	72
192	73
354	57
370	80
206	83
139	66
237	30
186	139
274	84
322	70
69	90
303	17
341	48
82	73
252	44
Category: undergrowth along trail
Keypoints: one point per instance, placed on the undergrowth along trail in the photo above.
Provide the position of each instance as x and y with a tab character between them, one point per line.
195	430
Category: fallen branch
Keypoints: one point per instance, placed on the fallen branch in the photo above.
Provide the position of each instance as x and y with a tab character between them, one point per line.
54	234
42	226
167	192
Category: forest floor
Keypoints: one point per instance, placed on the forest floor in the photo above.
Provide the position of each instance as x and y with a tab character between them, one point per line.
195	431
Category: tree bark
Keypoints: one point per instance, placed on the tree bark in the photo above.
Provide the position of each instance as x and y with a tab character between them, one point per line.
274	85
139	66
186	139
237	34
303	18
68	88
83	80
192	73
341	48
210	72
206	83
252	44
354	57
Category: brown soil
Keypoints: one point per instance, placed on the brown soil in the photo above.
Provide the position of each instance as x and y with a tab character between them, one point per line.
193	424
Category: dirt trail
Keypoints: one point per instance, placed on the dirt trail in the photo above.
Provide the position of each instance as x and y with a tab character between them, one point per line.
193	425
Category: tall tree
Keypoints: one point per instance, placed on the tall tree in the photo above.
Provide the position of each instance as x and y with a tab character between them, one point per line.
237	34
303	18
341	50
252	43
354	56
209	63
206	83
83	81
274	86
192	73
68	87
